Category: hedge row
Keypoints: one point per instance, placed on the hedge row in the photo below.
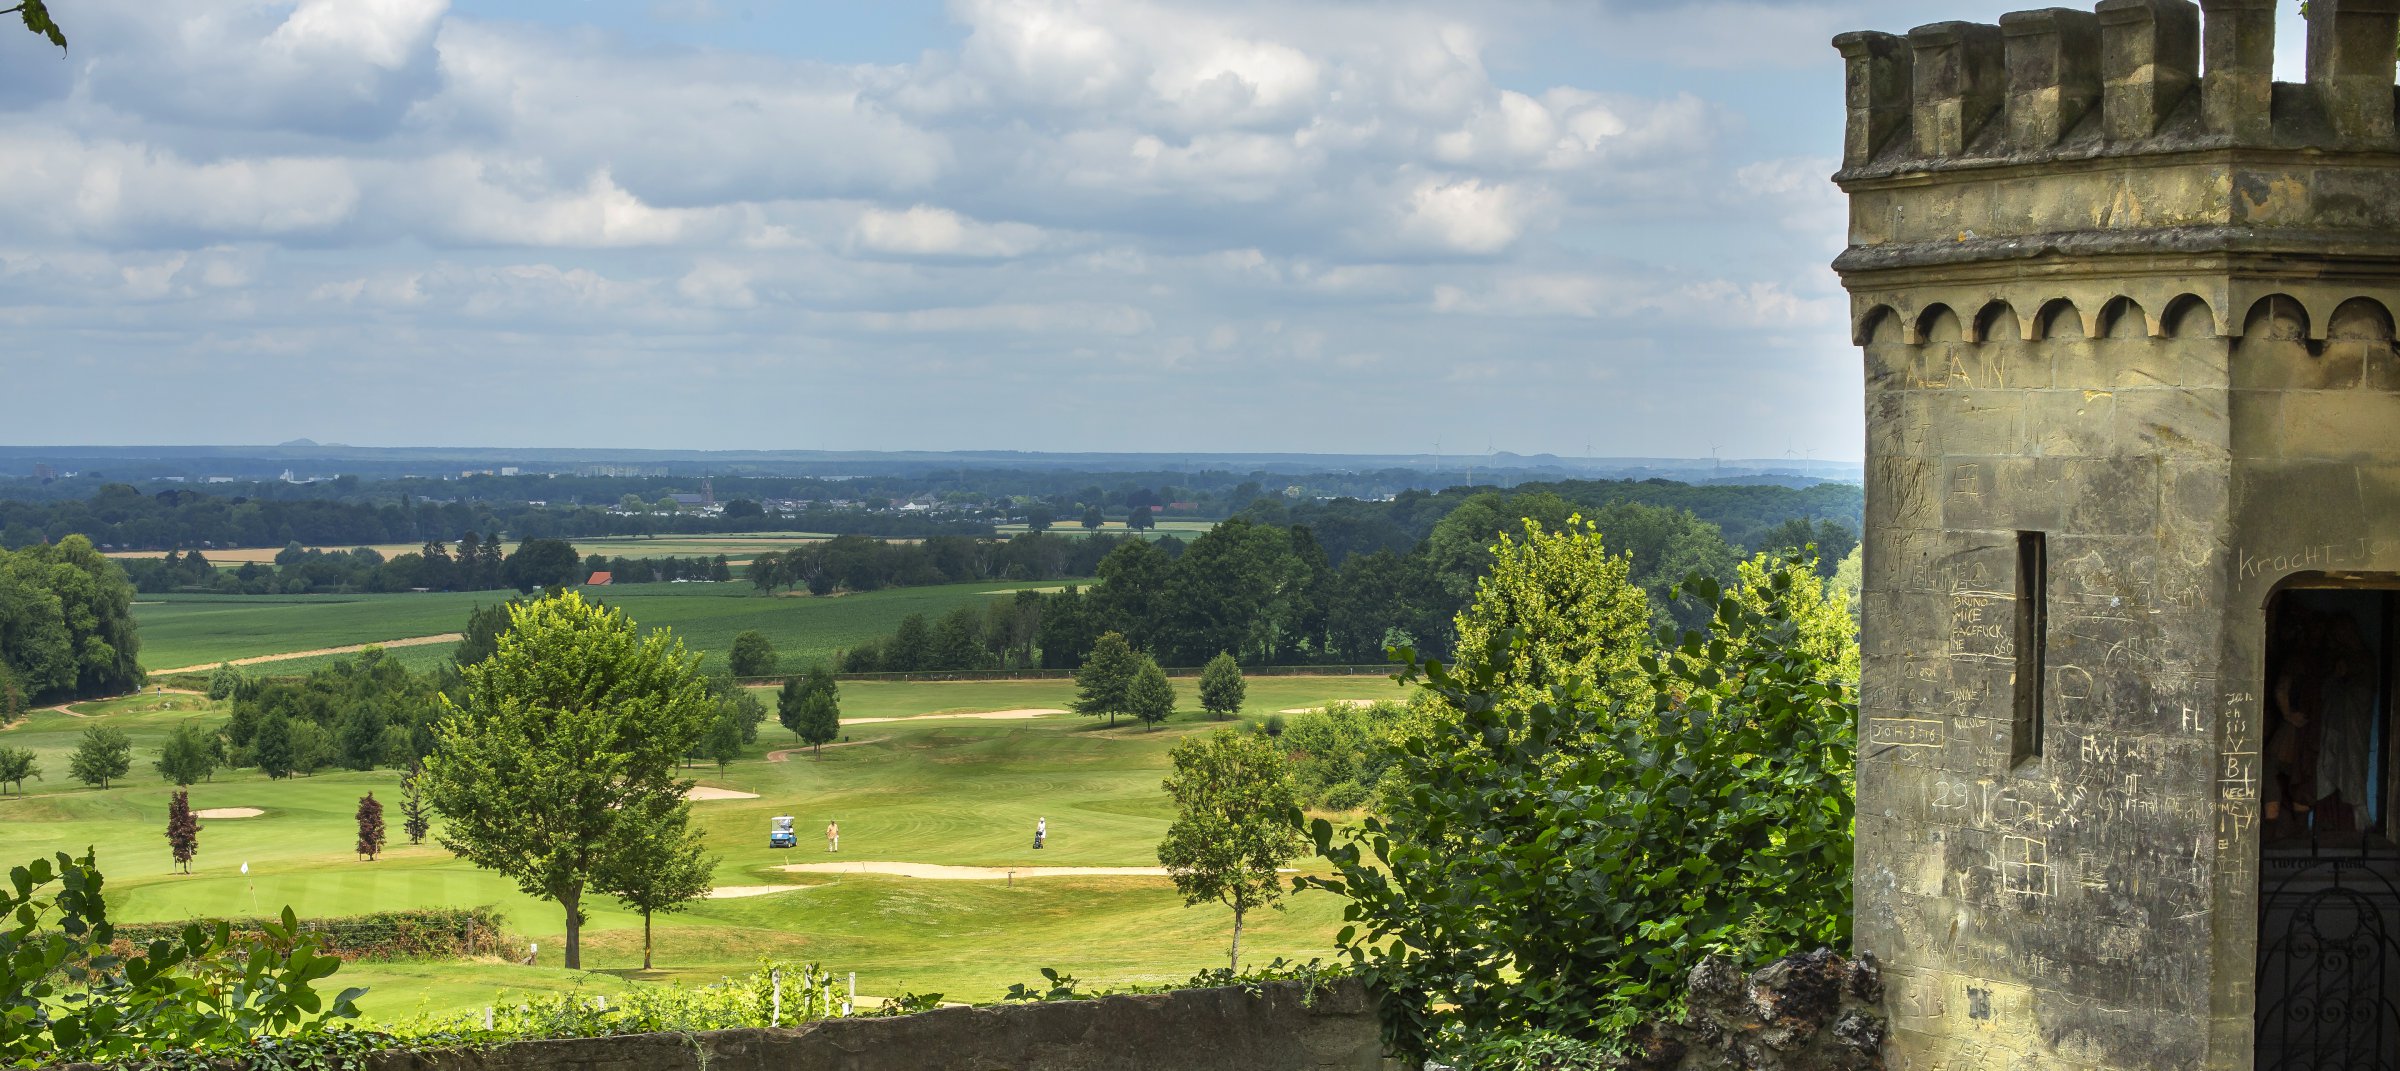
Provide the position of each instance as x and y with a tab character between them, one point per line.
383	935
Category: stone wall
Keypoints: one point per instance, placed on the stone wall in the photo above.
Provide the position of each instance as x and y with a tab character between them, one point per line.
1186	1030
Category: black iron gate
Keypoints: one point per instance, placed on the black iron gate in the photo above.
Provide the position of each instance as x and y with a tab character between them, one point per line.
2329	964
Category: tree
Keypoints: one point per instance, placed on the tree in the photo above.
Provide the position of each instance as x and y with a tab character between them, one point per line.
539	564
1093	519
273	750
724	741
1141	519
17	764
911	646
67	615
1579	621
820	715
562	745
226	682
37	20
752	655
104	755
1222	687
1151	696
482	635
1039	518
1103	682
791	705
187	758
370	827
658	869
412	805
183	830
1236	824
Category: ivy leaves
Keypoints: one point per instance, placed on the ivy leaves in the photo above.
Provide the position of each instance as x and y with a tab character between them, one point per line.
37	19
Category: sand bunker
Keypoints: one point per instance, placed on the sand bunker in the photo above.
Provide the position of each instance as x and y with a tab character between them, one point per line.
987	715
229	812
1330	703
736	892
703	792
939	872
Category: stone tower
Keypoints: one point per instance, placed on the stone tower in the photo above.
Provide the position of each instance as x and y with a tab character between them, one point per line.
2133	535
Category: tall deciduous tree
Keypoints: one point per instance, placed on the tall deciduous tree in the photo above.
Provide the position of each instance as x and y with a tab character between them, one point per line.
1237	822
17	764
752	655
66	616
540	563
820	710
563	746
658	869
370	827
104	755
1221	686
1151	696
791	705
1103	682
1580	622
183	830
188	757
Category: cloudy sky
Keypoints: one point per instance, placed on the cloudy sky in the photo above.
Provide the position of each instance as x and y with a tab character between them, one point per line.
1029	224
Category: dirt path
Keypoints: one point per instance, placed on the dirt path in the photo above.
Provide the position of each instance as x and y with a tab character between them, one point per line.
735	892
988	715
939	872
413	641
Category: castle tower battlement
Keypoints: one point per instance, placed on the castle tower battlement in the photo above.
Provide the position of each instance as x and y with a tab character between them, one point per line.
2126	308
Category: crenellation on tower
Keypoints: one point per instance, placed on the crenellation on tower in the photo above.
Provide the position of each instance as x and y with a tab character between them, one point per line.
2053	73
2129	77
1958	84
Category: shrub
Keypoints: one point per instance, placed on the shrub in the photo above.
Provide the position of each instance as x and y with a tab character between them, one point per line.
1557	868
420	932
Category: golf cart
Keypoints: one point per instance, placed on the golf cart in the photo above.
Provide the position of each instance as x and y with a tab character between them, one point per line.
781	836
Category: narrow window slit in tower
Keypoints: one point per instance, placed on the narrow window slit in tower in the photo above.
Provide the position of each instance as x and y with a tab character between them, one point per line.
2033	616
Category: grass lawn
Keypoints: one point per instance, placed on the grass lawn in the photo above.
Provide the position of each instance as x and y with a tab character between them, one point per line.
191	630
933	790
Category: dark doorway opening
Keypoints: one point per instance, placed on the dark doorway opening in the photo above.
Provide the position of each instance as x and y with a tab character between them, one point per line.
2329	875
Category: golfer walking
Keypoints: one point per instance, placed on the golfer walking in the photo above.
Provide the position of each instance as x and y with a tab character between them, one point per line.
1041	828
833	836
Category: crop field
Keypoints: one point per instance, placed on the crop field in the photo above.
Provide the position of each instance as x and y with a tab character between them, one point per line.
736	545
183	631
926	789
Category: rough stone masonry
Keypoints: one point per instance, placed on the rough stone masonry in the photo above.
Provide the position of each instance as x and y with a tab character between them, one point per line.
2126	309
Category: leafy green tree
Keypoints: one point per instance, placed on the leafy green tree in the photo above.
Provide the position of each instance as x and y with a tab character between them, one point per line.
481	637
724	740
67	614
183	830
1141	519
820	710
1460	545
1583	626
226	682
370	827
541	563
1104	683
1151	696
187	759
657	868
790	705
1236	824
562	746
1093	519
17	764
1563	869
271	748
104	754
752	655
1039	518
1221	687
413	823
911	646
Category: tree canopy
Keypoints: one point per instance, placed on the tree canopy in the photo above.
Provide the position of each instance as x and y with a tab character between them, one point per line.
560	752
66	623
1236	824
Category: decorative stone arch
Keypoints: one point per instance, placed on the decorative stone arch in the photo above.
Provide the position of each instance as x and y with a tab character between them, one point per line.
2114	319
2057	313
2188	316
1997	320
2267	311
2360	319
1880	323
1937	318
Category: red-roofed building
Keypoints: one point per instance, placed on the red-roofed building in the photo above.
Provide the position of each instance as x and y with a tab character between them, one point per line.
598	580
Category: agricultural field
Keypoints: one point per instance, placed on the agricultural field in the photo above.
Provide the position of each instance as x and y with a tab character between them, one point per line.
185	631
738	546
1180	529
910	785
